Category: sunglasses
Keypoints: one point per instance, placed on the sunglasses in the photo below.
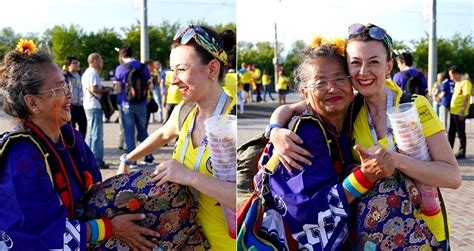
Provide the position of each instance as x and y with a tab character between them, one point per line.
202	38
374	32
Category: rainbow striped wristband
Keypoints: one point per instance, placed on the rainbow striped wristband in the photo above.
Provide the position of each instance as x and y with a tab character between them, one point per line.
101	229
356	183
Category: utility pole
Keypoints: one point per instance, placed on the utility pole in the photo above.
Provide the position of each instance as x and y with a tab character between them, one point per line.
432	48
275	59
144	44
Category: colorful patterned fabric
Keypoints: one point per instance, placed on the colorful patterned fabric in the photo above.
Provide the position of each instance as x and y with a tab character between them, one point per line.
169	209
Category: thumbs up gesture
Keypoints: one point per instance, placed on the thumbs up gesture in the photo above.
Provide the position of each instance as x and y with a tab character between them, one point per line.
376	162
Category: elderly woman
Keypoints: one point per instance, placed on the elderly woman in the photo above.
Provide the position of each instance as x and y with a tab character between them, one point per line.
45	165
317	196
369	59
197	61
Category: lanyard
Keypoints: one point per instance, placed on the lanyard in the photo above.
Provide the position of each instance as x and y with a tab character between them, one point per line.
202	147
389	128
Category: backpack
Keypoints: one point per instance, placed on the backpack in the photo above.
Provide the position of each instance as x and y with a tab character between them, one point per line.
414	84
137	84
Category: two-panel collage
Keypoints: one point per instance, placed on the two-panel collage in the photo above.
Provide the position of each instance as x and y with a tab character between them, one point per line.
236	125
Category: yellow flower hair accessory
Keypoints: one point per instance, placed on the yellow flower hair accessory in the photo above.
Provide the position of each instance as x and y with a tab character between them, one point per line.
26	47
337	42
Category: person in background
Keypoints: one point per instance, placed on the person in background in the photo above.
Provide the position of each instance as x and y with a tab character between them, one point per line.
46	165
435	91
257	77
154	67
92	90
133	113
266	81
460	103
197	62
445	93
73	78
283	82
405	64
173	95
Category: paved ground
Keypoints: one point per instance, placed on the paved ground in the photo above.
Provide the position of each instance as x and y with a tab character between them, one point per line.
253	122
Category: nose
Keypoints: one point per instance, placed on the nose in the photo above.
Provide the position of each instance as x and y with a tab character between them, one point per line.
175	78
363	69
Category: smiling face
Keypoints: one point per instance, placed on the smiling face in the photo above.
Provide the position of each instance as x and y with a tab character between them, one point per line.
368	66
53	103
332	98
190	74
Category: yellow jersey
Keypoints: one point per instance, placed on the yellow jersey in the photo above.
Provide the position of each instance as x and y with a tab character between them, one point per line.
210	213
461	91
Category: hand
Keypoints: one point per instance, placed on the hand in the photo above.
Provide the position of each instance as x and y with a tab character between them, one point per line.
461	115
126	230
285	142
123	168
172	170
376	162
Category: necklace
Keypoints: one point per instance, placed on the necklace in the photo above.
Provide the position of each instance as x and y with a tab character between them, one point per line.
389	130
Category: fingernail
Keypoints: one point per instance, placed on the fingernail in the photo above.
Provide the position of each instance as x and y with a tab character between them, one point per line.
142	216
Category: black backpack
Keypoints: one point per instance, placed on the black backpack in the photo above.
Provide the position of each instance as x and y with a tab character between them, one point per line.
137	84
414	84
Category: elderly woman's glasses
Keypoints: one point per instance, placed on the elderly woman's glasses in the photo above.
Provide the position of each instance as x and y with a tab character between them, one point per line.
322	84
66	89
374	32
202	38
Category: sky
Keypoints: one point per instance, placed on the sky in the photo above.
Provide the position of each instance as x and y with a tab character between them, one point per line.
404	20
35	16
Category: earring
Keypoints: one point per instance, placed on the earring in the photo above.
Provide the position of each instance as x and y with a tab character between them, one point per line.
35	109
212	78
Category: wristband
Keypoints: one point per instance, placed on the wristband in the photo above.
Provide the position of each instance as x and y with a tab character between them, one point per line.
269	128
94	230
108	228
362	179
356	183
123	159
101	227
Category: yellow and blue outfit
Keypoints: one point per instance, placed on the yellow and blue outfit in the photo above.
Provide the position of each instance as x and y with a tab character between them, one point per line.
210	214
395	200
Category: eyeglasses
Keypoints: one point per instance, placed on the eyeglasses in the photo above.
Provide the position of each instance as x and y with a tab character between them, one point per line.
339	81
202	38
65	88
374	32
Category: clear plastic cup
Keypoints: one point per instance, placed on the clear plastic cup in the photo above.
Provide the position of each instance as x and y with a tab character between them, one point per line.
407	137
419	146
230	177
228	155
220	150
230	216
402	111
221	144
221	125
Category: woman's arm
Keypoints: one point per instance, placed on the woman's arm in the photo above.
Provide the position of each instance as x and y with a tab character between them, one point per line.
285	141
172	170
442	171
157	139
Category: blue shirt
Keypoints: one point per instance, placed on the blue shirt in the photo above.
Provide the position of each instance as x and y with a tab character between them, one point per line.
121	74
401	78
447	87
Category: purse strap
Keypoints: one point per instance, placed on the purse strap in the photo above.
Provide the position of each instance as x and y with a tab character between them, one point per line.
445	216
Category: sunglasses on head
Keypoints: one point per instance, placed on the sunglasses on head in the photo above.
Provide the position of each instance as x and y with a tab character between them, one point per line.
202	38
374	32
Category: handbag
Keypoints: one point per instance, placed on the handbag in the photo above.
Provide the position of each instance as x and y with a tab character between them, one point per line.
106	104
470	114
250	216
152	106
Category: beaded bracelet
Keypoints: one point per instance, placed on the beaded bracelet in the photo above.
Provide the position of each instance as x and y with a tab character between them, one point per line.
101	229
356	183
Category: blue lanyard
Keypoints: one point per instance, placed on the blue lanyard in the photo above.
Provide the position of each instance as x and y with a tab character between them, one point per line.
390	103
217	111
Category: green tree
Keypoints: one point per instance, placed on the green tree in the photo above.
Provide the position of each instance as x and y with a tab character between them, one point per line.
103	42
64	41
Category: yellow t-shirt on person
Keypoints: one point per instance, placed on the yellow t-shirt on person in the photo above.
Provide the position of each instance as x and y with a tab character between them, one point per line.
257	73
230	84
210	214
266	80
430	124
245	77
461	91
173	95
283	83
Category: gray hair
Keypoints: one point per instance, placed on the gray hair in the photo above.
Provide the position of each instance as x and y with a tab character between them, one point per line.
302	75
22	74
